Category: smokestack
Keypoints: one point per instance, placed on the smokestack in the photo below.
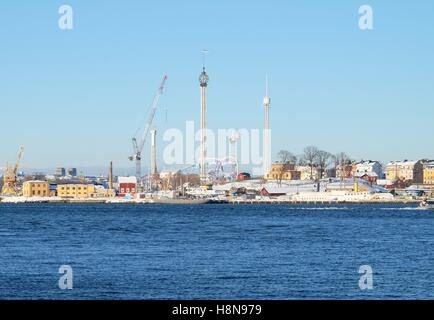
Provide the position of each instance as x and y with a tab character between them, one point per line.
110	177
153	152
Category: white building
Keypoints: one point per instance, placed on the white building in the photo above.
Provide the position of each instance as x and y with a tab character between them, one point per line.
372	168
306	173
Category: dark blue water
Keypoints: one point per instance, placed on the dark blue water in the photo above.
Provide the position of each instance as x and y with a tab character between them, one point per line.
215	251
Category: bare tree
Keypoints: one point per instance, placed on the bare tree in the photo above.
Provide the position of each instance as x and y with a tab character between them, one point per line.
310	154
323	160
286	157
335	161
342	160
301	161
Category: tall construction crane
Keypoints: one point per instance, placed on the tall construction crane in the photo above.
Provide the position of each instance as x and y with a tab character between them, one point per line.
138	145
10	176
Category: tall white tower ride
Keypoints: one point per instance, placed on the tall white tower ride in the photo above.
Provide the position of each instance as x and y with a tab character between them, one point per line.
266	131
203	80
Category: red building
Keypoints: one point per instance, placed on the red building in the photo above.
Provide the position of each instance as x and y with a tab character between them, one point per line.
127	186
371	177
243	176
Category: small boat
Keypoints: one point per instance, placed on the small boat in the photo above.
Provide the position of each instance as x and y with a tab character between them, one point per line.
427	204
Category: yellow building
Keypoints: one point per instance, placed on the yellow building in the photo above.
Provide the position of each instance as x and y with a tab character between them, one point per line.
410	171
428	174
282	171
75	190
84	191
103	193
36	188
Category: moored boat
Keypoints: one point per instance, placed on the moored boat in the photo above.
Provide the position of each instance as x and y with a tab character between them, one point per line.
427	204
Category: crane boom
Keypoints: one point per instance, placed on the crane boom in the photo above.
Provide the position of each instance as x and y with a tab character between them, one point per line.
152	113
19	157
138	145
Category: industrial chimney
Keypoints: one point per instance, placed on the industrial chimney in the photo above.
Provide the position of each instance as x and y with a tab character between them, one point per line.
110	177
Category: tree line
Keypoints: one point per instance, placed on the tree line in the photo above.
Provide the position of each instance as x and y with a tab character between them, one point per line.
315	159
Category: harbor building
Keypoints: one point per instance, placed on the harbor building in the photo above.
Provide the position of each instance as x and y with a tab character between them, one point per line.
428	173
368	170
36	188
75	190
101	192
345	170
406	171
306	173
368	166
127	185
282	171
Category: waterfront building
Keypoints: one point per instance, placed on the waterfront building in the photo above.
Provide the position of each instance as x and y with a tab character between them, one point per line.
406	171
345	171
387	184
274	192
306	173
428	173
366	167
36	188
282	171
242	176
127	185
371	177
101	192
75	190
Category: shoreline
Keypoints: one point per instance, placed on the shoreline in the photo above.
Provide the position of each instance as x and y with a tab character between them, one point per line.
228	201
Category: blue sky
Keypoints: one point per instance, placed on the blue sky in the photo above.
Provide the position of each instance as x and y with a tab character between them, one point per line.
75	98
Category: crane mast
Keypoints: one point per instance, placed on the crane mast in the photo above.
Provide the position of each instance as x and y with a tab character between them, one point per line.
138	145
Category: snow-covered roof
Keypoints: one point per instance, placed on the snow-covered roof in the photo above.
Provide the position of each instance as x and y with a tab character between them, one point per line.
402	163
367	162
130	179
272	190
369	174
